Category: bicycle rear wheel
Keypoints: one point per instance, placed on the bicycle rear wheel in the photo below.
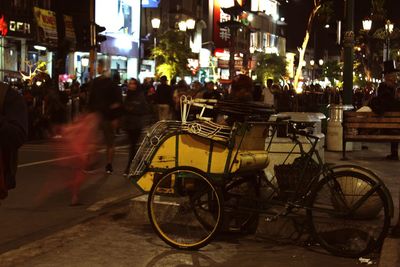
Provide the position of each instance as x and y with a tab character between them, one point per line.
185	209
339	224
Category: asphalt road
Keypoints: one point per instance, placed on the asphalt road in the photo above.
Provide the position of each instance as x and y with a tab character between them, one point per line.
40	205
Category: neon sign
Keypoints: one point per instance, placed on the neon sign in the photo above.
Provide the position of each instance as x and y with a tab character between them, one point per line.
3	26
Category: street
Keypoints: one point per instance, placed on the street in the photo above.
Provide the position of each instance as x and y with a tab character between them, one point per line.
40	205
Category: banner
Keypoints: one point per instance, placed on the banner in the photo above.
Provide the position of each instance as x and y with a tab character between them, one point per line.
69	31
46	26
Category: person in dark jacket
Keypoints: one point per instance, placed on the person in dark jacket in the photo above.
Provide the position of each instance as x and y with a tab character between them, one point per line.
136	110
13	133
386	101
106	99
163	99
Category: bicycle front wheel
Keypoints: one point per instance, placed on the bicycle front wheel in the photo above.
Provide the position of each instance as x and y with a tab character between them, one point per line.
185	209
349	214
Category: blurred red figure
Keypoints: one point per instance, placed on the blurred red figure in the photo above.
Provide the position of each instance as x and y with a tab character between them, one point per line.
81	139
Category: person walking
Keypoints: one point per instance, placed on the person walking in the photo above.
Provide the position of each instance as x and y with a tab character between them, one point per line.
163	99
106	99
13	133
136	110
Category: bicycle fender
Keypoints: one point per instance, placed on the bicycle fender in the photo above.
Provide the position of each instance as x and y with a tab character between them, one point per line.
370	174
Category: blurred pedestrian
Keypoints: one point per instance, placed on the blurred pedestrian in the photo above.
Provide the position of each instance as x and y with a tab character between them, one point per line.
163	99
13	133
136	110
105	99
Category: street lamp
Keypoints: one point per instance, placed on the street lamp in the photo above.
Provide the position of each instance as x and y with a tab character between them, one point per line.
190	24
367	24
155	23
312	63
321	62
182	25
388	30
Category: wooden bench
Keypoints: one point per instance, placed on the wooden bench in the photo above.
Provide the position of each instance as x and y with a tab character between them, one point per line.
370	127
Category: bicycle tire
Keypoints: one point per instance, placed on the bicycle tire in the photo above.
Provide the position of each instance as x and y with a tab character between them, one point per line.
349	234
171	204
239	194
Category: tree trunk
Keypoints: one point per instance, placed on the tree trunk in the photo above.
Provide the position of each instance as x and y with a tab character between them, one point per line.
302	49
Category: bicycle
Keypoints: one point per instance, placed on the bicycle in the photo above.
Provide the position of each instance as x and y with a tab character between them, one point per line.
202	177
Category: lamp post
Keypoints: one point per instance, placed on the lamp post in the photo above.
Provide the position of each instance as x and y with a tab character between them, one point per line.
367	25
388	31
348	44
155	24
312	63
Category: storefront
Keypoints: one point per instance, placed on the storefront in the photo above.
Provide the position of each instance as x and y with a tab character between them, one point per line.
14	35
121	18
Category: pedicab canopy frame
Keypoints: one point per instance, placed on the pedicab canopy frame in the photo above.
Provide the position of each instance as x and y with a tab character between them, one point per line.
216	149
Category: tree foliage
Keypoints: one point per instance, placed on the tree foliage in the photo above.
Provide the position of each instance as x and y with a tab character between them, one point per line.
171	54
270	66
332	70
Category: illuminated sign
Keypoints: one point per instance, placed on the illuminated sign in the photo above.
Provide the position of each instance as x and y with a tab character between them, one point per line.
269	7
21	27
221	36
150	3
47	26
121	18
3	26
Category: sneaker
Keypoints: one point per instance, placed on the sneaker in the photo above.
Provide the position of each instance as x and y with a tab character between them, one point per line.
109	168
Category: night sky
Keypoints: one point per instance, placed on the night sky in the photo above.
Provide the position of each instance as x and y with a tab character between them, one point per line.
296	14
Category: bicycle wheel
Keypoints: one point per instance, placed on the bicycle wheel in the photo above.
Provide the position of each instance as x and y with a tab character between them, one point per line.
185	209
341	221
239	196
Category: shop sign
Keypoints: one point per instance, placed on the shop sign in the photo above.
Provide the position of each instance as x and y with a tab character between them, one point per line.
222	35
13	27
20	27
69	30
47	26
224	64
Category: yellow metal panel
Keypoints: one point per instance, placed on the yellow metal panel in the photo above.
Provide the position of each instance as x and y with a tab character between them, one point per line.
194	151
165	155
146	181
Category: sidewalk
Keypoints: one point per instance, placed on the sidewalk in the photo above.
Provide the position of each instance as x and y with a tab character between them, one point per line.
114	239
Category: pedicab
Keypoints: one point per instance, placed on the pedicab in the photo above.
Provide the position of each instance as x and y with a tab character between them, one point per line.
204	177
178	159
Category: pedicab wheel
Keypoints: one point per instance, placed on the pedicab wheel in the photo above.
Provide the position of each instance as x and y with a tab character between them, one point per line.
185	208
349	214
